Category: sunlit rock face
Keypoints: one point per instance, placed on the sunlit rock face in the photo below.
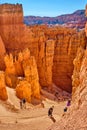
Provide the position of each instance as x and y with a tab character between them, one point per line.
79	76
13	32
45	63
10	71
3	92
13	11
61	45
80	69
31	73
23	90
23	65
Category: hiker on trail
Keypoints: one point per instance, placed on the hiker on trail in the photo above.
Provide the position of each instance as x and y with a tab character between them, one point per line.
50	111
24	103
67	105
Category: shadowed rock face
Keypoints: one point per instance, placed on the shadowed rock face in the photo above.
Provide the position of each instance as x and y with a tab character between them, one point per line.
54	48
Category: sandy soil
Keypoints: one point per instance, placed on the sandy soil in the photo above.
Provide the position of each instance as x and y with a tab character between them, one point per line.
31	118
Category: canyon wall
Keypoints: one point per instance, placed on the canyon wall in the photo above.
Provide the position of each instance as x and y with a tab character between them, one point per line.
66	45
76	117
60	54
54	48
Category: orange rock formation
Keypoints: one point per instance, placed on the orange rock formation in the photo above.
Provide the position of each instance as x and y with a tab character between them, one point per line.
54	48
10	72
25	67
23	90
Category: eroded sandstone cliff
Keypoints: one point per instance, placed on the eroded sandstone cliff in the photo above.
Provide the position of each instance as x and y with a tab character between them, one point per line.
54	48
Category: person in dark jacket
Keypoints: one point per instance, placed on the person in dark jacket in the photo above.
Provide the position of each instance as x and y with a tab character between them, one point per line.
50	111
24	103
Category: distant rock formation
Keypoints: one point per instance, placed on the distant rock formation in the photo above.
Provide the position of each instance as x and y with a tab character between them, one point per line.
74	20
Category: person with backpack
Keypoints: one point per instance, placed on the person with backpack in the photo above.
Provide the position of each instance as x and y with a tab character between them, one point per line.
67	105
50	111
24	103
